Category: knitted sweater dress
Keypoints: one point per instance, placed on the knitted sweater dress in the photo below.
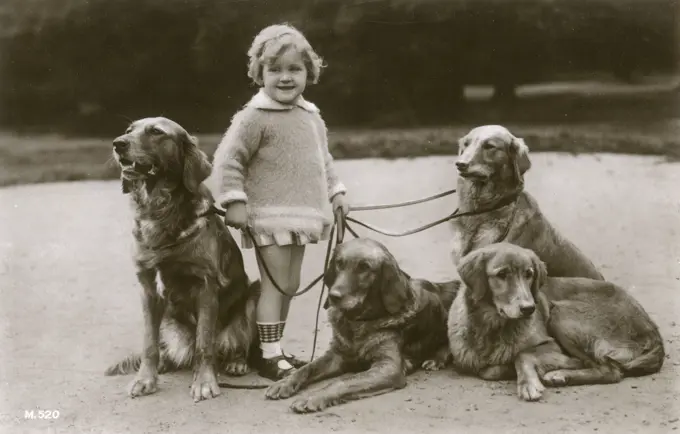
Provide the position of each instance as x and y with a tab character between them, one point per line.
275	158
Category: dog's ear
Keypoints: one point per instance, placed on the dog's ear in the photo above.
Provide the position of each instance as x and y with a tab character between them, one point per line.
519	154
540	274
197	167
472	271
126	185
330	274
394	285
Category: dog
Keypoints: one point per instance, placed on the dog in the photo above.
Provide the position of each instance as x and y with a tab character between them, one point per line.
491	167
385	325
510	320
197	300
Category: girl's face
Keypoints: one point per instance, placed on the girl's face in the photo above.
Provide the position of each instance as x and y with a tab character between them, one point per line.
286	77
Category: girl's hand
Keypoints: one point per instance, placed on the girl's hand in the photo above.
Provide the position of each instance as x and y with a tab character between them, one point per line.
235	215
340	201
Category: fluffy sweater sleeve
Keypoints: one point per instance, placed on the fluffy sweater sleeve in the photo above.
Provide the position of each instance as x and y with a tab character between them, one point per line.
334	184
239	143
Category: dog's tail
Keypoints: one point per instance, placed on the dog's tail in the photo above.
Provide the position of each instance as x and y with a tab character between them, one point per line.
126	366
131	363
649	362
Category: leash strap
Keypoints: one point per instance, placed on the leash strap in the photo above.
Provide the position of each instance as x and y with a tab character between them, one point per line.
242	386
456	214
215	210
338	227
340	224
402	204
269	274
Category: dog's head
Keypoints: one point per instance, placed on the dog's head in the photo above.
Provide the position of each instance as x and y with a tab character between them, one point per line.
365	280
492	151
504	275
160	147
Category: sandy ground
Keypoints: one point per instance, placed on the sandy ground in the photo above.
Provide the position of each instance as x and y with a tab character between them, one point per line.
70	306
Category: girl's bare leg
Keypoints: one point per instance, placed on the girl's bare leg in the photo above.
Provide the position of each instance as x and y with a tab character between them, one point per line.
296	256
270	306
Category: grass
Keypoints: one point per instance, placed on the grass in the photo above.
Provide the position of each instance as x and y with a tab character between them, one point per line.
647	124
35	159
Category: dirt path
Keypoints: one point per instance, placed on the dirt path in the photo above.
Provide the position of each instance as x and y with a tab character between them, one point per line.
70	306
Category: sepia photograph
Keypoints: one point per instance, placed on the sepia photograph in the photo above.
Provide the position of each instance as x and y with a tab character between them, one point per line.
339	216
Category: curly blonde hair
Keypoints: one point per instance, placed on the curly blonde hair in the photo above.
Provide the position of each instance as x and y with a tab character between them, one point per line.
272	41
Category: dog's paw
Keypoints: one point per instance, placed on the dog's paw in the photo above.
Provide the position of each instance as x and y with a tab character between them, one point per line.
143	385
433	365
236	368
555	378
204	386
312	404
408	367
282	389
530	390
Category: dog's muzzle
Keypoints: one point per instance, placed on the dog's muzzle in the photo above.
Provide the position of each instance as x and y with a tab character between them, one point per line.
130	167
120	148
467	172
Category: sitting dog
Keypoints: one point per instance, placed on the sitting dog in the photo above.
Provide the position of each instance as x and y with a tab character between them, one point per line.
197	301
491	166
510	320
385	325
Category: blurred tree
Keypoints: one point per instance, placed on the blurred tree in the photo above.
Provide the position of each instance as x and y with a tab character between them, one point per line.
91	64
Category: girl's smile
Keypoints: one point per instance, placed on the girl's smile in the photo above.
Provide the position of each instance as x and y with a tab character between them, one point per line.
285	78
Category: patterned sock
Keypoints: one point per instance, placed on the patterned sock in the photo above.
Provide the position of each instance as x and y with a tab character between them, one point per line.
279	329
268	332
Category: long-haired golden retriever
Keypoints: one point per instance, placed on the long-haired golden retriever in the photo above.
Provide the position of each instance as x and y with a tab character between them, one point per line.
491	166
197	301
385	325
510	320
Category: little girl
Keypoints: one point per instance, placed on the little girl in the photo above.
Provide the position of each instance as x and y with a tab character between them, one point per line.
276	177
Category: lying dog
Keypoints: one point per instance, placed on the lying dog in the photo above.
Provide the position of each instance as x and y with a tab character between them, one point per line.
384	327
510	320
198	305
491	166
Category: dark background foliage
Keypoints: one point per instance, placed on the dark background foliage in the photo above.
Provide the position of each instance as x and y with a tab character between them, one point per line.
88	66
